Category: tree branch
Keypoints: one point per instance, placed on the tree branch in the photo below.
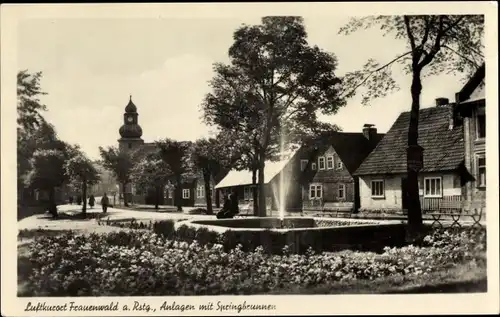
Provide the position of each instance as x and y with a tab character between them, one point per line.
374	71
461	55
411	38
437	44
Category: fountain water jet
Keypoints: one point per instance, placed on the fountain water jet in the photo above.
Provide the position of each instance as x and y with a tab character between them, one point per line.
281	201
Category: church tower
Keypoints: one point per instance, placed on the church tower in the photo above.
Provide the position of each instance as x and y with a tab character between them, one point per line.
130	131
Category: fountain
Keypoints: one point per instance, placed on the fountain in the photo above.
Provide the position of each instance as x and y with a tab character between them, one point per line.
298	233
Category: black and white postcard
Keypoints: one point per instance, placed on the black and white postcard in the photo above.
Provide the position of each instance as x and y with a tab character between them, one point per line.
249	158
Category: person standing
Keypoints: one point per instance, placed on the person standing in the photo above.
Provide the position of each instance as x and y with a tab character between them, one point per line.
104	203
91	201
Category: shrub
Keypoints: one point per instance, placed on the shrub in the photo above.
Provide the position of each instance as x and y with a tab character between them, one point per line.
165	228
143	263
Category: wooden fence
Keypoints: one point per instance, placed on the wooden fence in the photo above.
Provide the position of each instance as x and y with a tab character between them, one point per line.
428	204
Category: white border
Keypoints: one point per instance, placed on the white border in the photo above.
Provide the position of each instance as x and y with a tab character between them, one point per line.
292	305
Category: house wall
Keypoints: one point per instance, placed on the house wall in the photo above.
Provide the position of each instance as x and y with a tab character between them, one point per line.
473	147
393	194
330	179
202	201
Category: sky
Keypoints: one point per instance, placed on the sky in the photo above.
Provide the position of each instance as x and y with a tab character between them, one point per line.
91	66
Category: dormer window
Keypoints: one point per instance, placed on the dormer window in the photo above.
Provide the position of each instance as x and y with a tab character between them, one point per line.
313	166
329	162
321	163
303	164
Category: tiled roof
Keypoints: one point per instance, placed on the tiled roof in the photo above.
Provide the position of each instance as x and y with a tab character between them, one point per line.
443	148
351	147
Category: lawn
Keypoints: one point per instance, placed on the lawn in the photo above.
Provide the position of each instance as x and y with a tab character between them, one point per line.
139	262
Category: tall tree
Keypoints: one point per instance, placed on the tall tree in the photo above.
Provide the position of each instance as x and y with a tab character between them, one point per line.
212	158
46	173
435	44
33	132
80	169
29	107
283	80
175	154
151	172
120	163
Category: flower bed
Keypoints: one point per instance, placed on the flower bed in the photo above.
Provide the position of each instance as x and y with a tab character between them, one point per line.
142	263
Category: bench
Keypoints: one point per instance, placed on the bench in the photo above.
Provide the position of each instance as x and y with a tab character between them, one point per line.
455	210
475	211
334	209
245	211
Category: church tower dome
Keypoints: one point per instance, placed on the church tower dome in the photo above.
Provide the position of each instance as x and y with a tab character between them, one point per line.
130	131
130	108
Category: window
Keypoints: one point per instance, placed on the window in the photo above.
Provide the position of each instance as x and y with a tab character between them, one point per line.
480	124
313	166
378	189
303	164
341	191
432	187
247	193
315	191
329	162
339	165
481	170
200	192
185	193
321	162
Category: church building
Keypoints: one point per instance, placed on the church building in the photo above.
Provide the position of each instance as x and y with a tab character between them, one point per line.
192	189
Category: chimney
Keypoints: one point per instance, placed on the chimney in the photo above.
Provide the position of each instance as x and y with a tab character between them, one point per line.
442	102
454	117
369	131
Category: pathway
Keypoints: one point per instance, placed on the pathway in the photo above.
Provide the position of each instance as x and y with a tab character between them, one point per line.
45	221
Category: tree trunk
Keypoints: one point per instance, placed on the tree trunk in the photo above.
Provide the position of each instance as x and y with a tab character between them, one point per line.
414	210
84	197
157	197
254	193
178	193
52	202
125	203
208	196
262	190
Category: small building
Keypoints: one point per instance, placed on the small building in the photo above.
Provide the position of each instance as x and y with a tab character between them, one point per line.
382	175
327	169
471	105
276	173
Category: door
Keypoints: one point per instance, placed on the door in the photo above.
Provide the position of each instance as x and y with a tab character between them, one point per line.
404	193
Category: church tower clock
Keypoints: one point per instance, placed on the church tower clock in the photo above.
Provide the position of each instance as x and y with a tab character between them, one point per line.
130	131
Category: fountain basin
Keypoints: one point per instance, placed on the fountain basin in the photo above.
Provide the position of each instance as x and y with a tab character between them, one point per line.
301	233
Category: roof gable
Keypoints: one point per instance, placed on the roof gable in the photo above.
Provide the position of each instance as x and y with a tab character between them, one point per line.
473	86
443	148
352	148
